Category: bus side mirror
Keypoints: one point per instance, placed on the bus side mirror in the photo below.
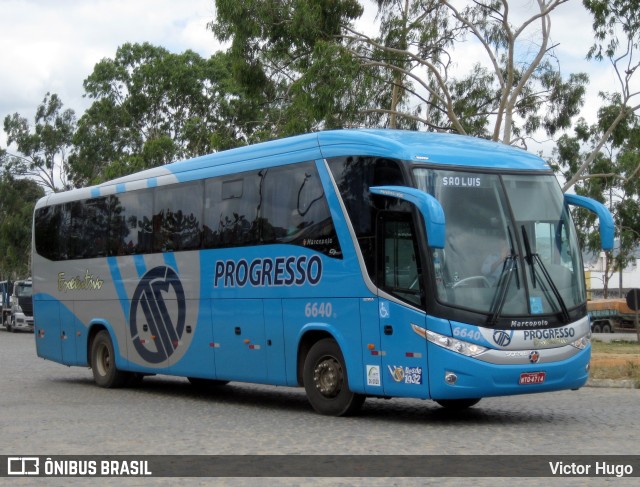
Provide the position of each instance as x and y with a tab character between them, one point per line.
430	208
604	216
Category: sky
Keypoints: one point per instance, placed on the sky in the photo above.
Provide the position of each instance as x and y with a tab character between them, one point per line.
53	45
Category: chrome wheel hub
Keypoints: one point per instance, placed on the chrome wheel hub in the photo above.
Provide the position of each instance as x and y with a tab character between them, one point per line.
327	377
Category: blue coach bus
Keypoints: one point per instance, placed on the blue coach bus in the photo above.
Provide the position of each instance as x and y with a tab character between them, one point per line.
354	263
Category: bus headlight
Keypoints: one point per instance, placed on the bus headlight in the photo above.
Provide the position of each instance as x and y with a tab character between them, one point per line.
455	345
581	343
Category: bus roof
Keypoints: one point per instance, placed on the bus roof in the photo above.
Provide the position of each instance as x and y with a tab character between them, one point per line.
419	147
430	147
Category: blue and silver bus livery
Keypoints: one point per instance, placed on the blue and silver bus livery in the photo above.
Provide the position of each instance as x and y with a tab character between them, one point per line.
353	263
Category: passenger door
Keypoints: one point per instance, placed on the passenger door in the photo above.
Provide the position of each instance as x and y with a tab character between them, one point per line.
400	275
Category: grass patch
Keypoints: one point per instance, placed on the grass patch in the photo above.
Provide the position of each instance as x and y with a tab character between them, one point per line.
624	347
615	360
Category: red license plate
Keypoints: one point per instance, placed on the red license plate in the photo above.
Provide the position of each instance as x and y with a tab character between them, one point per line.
532	378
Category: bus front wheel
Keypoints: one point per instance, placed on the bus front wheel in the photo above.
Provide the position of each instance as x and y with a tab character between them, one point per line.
103	362
325	380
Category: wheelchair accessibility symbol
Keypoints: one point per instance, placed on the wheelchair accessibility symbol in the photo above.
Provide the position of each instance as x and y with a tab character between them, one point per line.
157	315
384	309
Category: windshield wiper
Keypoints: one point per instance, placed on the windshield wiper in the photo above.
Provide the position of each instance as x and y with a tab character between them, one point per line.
503	284
533	258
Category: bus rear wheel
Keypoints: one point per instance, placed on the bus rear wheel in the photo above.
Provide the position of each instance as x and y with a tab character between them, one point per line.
103	362
325	380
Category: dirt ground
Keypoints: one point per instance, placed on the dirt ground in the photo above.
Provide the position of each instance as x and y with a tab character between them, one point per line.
614	359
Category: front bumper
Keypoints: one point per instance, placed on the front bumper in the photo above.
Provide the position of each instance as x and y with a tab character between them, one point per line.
475	378
22	322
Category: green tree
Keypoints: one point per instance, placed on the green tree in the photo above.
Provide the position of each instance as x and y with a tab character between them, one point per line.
289	56
613	180
513	90
403	75
152	107
601	160
43	148
616	26
17	200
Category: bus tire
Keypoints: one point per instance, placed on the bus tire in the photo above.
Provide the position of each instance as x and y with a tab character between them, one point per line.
457	404
325	380
103	362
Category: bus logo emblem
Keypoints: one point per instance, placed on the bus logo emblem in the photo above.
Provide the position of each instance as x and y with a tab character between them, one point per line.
396	372
502	338
157	287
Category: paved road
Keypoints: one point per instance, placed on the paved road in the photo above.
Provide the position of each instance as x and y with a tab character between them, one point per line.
50	409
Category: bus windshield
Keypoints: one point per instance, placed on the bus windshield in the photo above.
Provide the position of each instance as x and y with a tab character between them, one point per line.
511	248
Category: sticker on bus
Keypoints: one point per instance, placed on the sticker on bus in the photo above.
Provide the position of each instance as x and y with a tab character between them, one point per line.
373	375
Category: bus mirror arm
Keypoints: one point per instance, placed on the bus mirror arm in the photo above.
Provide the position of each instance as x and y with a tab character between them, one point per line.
429	207
604	216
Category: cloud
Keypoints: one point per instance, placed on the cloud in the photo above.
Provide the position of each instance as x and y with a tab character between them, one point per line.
48	46
52	47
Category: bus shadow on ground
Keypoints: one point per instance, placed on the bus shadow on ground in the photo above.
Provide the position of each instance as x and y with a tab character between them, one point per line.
490	411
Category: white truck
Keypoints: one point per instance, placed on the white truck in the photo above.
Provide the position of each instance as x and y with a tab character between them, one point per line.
6	290
21	317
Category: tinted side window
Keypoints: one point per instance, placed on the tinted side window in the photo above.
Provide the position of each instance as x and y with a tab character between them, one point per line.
69	235
131	229
399	266
46	225
231	210
177	217
285	205
295	210
96	227
84	228
354	176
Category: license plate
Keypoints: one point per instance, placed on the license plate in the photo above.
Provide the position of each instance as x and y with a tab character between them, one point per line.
532	378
